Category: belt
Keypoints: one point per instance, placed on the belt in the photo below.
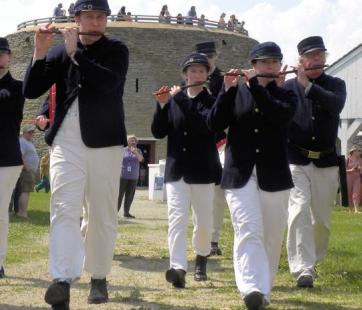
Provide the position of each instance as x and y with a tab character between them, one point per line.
310	153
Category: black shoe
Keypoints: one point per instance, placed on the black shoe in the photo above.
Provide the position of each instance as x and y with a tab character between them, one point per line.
215	250
254	301
129	216
2	272
63	306
200	268
305	281
176	277
58	295
98	293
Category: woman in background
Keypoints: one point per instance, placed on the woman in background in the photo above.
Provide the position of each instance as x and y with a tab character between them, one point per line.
132	157
354	169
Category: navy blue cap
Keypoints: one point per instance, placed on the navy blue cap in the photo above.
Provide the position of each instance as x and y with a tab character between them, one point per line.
4	45
265	50
311	44
206	47
92	5
195	59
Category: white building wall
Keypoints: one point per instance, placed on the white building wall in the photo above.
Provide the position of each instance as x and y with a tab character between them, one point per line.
349	68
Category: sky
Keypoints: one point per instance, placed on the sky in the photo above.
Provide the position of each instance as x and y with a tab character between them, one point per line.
285	22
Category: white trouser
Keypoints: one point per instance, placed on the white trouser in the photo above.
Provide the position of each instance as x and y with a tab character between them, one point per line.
8	178
179	197
218	213
310	207
259	219
88	178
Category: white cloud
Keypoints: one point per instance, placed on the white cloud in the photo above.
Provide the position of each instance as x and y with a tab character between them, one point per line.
14	12
336	21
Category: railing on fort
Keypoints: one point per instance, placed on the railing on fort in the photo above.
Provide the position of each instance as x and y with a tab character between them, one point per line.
203	23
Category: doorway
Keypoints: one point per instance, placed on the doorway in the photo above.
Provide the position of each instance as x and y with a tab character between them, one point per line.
148	148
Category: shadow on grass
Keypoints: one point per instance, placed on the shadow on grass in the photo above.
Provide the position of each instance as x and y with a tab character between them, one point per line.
139	220
332	251
142	263
33	282
152	264
116	288
135	299
10	307
310	305
145	305
35	217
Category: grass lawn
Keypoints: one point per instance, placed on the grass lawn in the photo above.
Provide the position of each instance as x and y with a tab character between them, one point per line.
141	257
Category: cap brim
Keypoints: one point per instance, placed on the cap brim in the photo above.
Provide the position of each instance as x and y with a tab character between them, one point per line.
313	49
268	57
193	64
93	10
207	51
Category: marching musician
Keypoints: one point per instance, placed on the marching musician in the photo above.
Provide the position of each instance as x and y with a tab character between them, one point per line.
215	78
215	81
256	175
89	72
192	166
313	160
11	115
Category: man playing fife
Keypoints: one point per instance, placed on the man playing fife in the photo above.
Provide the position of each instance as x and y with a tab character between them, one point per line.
11	115
313	160
256	175
88	131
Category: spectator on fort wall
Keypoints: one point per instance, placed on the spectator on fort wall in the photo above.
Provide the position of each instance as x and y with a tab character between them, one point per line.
71	9
239	27
128	17
222	23
164	16
201	21
59	11
179	19
191	15
121	15
231	23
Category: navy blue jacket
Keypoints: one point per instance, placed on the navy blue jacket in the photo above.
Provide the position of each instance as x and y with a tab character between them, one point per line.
315	123
98	82
11	115
258	119
215	82
191	146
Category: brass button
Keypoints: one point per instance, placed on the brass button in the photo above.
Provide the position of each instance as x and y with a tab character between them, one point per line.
256	110
257	151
